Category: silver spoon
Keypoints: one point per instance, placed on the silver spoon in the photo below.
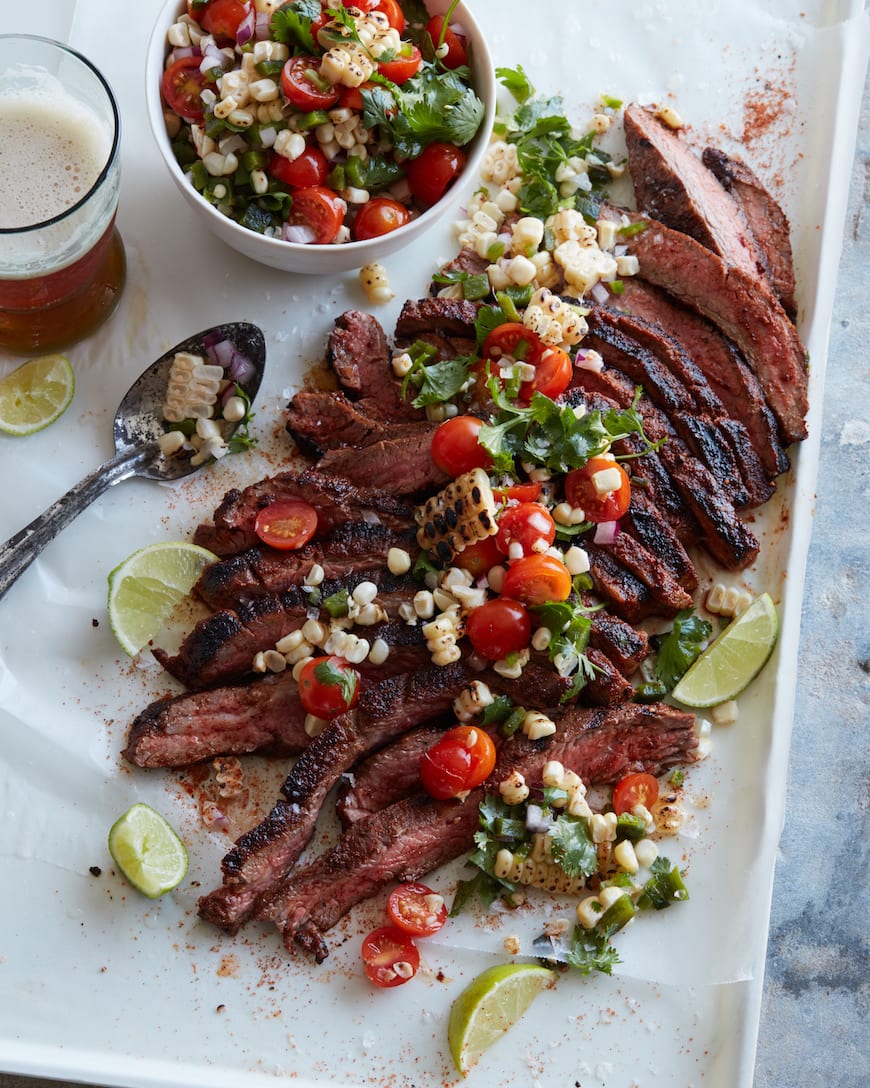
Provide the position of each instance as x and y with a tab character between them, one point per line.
138	425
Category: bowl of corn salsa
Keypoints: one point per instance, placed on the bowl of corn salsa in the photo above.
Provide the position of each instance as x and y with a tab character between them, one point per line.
317	138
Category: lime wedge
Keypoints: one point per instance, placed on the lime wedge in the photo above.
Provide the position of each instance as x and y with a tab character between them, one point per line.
35	394
733	660
146	587
489	1006
147	851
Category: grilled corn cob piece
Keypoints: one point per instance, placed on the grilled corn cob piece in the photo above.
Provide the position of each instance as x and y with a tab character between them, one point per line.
540	872
461	514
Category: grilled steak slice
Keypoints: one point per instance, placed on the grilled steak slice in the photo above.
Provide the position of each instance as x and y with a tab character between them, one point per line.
262	856
399	466
412	837
450	317
645	521
607	686
359	354
221	648
730	378
337	501
725	536
385	776
667	593
624	592
264	716
319	421
258	572
741	306
673	185
626	646
766	219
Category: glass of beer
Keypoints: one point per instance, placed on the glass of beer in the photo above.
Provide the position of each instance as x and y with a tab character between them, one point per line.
62	264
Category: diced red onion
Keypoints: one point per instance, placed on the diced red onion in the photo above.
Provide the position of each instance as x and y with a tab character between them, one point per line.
606	532
538	821
298	232
262	19
221	352
245	29
589	360
620	251
181	53
241	369
599	293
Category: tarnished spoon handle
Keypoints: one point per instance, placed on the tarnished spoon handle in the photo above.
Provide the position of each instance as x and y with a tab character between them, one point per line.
19	551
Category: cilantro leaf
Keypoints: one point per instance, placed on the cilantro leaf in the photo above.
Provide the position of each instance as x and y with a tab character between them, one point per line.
516	81
291	24
572	845
569	626
681	646
441	381
345	680
591	951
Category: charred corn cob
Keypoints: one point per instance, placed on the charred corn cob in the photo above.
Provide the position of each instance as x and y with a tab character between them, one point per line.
540	872
461	514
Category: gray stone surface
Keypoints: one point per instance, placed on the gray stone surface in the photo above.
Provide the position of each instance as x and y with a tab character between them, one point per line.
815	1001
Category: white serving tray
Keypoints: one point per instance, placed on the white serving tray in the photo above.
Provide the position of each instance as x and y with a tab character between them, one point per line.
99	985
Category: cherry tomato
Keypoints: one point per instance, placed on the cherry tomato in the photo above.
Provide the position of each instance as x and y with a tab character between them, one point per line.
416	909
310	168
455	448
328	686
319	209
286	525
553	375
304	87
434	171
639	788
404	65
181	85
390	957
393	12
536	579
525	524
498	628
514	339
524	492
462	759
220	18
480	557
457	54
580	491
379	216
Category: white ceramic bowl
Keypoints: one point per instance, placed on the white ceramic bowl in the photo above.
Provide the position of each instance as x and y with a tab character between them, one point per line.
320	259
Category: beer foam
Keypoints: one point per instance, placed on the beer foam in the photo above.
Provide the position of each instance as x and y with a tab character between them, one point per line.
52	149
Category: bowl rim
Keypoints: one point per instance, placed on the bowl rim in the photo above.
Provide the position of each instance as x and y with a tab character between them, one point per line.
482	68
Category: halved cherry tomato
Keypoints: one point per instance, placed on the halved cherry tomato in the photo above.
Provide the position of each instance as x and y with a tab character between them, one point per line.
287	524
403	65
434	170
305	88
328	686
457	54
480	557
639	788
393	12
416	909
390	957
181	85
462	759
310	168
379	216
580	491
553	375
455	448
536	579
319	209
514	339
498	628
220	18
526	524
524	492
